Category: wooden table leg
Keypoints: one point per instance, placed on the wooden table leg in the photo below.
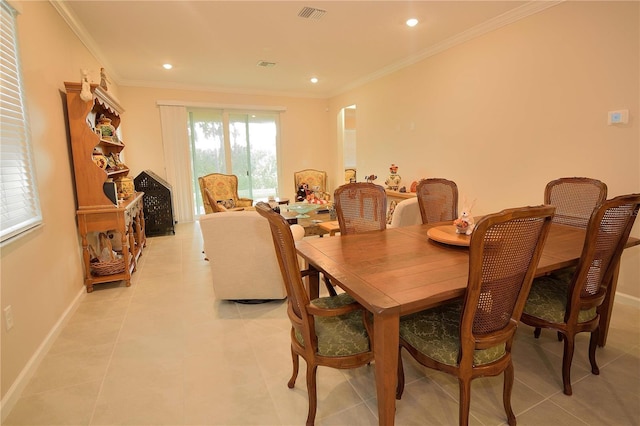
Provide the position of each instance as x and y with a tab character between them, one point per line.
607	307
313	283
386	332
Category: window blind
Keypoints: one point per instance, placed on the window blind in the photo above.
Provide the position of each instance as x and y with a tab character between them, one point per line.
19	205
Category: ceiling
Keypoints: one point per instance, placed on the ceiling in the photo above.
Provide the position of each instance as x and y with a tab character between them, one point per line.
216	45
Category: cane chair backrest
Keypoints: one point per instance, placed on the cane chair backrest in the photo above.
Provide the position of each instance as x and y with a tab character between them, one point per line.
574	199
438	200
360	207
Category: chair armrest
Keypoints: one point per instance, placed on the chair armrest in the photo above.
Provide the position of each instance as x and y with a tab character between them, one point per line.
333	312
244	202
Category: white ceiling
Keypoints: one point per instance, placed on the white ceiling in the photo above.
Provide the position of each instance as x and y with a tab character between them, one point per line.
216	45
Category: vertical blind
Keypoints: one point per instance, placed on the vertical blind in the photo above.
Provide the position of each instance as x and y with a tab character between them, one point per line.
19	205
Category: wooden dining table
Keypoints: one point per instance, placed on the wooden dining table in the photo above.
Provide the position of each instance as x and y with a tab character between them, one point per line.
399	271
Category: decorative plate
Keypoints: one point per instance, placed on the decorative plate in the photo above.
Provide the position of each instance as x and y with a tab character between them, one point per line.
100	160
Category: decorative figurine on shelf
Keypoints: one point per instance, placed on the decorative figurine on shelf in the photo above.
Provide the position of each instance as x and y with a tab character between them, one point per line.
393	181
103	79
465	223
85	93
105	129
370	178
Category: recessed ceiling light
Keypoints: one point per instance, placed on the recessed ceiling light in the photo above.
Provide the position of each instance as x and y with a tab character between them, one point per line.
314	80
412	22
167	66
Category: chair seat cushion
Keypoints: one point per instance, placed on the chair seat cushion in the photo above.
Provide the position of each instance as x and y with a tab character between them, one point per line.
341	299
436	333
340	335
548	299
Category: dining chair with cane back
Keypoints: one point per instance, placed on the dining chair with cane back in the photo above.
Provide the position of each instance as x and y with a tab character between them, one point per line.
360	207
569	303
327	331
473	336
574	199
224	189
438	200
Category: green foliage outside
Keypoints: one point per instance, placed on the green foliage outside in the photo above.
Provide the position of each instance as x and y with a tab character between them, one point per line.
256	170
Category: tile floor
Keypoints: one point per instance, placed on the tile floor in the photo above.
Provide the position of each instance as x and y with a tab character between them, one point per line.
165	352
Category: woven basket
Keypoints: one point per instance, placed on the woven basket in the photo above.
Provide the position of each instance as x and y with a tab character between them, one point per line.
108	268
113	266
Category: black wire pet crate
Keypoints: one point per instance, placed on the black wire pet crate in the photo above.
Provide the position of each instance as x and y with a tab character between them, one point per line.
158	210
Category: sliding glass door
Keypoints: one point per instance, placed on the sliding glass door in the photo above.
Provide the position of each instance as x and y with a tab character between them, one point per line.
243	144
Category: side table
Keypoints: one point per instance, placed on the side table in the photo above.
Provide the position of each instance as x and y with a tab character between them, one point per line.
278	200
331	227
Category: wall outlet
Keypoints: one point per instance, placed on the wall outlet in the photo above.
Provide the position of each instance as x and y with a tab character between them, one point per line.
8	318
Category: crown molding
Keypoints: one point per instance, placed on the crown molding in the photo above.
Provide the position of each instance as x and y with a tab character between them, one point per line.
493	24
505	19
86	39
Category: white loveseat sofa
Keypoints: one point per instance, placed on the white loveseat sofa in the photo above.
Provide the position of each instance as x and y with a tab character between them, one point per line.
406	213
242	256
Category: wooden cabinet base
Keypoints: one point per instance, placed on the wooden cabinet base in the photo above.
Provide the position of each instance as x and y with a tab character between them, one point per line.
127	220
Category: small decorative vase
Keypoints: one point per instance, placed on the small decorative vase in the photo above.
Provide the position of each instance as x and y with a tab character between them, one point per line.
105	129
394	179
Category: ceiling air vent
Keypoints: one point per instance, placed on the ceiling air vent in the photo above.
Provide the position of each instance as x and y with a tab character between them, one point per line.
311	13
266	64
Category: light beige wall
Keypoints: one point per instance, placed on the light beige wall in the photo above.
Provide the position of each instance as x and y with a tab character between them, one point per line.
505	113
42	272
304	129
501	115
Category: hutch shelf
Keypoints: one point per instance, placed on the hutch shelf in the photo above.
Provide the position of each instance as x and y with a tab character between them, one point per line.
104	203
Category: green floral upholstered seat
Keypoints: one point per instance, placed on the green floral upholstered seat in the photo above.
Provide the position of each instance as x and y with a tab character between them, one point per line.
548	300
341	335
436	333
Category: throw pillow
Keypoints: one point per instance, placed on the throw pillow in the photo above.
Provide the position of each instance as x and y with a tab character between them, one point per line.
228	204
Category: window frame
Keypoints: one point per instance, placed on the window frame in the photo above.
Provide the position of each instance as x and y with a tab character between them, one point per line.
19	198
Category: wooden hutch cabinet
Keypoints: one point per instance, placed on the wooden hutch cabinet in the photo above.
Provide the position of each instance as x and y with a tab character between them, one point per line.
102	208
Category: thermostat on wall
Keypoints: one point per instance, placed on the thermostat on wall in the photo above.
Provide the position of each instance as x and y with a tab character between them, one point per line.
618	117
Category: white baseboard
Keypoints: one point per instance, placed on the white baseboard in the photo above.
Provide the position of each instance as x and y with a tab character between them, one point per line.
16	389
625	299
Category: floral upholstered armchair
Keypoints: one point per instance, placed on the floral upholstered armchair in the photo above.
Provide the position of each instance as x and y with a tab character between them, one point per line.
224	189
316	181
